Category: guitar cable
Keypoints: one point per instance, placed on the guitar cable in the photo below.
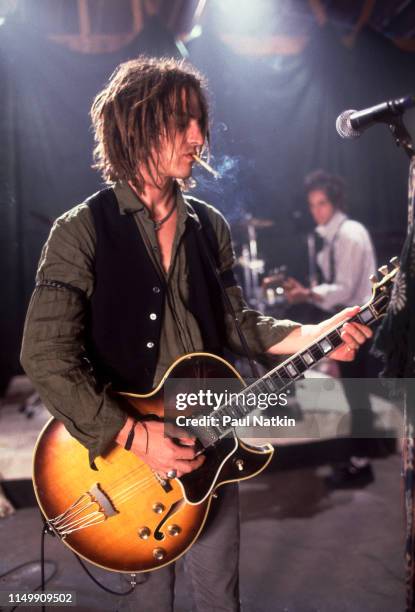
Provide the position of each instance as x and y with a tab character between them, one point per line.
47	530
43	562
124	593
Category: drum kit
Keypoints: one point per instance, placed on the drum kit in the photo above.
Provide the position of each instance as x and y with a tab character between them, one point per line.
263	291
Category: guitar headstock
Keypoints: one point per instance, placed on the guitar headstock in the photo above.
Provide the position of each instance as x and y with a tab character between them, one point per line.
382	288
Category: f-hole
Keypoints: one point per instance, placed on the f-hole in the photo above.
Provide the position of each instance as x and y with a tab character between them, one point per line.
158	535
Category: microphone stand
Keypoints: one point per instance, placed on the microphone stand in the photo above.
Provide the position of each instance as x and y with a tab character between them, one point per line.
403	139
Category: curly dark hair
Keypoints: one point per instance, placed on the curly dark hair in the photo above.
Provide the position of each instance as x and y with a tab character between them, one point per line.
135	108
333	186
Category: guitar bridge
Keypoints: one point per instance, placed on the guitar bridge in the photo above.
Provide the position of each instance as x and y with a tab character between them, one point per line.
102	500
83	512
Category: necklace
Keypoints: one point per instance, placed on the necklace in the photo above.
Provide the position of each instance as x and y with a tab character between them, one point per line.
160	222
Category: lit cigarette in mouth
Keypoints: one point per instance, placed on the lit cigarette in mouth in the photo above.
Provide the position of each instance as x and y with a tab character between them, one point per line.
206	166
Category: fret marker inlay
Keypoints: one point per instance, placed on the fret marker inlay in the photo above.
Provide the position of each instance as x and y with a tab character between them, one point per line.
269	383
308	358
325	345
291	369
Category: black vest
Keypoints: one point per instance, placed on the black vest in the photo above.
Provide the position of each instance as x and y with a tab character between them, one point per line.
126	308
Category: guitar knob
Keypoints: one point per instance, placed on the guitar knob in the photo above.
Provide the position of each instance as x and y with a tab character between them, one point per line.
239	464
395	261
373	279
158	508
159	554
173	530
144	533
384	270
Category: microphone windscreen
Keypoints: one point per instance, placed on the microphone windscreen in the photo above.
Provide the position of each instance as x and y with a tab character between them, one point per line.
344	126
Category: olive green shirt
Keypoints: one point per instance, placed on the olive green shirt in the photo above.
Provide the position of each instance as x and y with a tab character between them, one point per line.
53	351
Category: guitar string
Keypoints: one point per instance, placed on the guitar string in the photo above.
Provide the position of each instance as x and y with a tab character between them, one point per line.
137	485
121	497
134	486
122	480
132	494
134	489
70	518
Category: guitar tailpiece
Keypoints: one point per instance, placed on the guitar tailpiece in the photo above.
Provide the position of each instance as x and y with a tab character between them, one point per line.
48	529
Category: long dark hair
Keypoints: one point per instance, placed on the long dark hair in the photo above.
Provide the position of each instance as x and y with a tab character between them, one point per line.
136	108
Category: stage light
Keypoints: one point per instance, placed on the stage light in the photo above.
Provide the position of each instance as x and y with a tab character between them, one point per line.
244	15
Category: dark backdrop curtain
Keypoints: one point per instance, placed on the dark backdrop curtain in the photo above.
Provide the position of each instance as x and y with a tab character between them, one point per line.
46	151
273	122
276	117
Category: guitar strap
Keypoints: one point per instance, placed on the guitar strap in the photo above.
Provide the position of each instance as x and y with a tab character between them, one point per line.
228	304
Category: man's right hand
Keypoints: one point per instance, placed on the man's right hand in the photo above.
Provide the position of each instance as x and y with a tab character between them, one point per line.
160	452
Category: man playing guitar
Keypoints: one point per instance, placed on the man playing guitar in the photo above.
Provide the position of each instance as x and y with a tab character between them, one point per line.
123	289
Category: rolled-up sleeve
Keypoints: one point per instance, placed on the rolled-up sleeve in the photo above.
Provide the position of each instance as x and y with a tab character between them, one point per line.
261	332
54	352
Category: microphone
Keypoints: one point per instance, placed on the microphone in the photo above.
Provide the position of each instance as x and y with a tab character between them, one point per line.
351	123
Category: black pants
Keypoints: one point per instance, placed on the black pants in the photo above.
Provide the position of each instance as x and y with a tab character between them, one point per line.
211	564
357	395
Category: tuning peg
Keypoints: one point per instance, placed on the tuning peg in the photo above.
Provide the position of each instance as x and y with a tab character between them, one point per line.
384	270
373	279
395	261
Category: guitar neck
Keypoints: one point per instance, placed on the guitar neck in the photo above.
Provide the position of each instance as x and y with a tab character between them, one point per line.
297	364
294	367
237	407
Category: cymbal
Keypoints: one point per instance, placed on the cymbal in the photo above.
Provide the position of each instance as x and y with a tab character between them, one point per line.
256	222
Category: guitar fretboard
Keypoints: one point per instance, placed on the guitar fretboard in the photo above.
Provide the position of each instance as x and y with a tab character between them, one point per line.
290	370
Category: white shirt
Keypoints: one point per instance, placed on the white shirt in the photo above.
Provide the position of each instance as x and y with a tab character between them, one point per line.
354	262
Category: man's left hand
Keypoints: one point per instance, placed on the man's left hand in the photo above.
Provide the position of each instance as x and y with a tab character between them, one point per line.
353	334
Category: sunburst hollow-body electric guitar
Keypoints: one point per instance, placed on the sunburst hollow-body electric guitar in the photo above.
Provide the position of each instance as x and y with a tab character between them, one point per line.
126	518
